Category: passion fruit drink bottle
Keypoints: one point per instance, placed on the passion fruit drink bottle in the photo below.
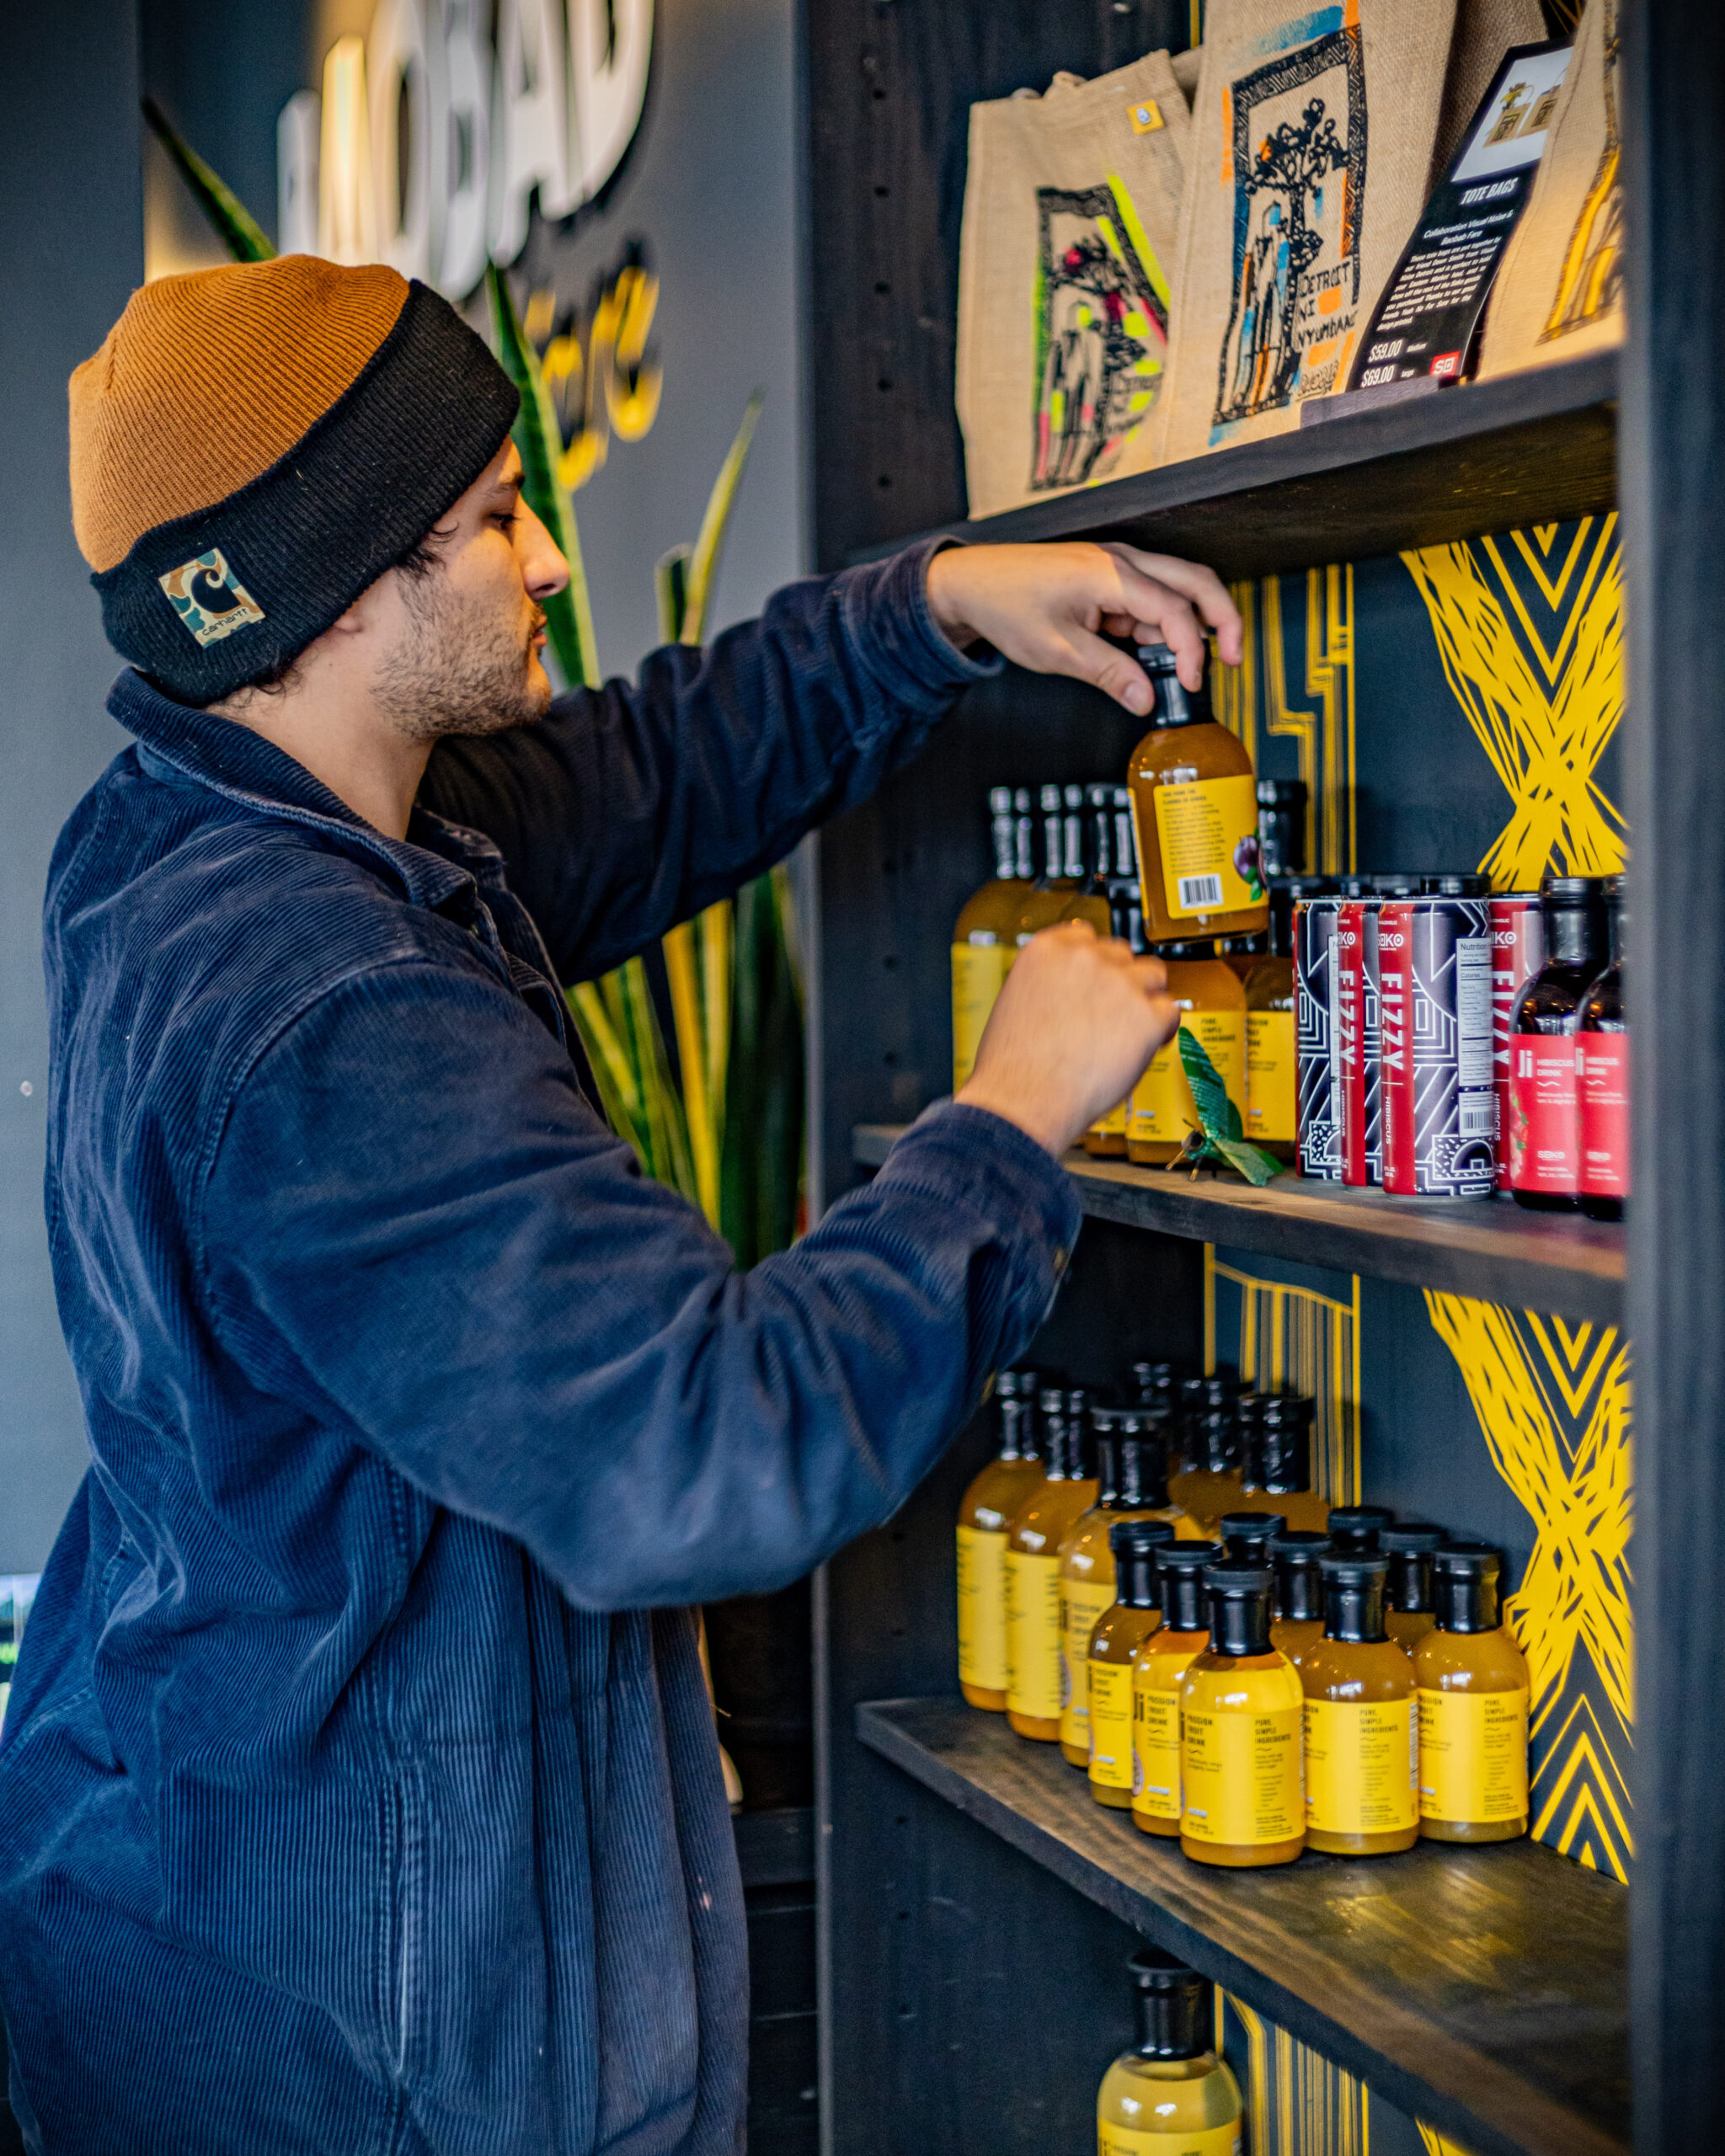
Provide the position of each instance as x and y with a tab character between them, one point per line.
1361	1795
1195	807
1408	1591
1275	1458
993	1499
1120	1632
1243	1799
1299	1593
1473	1684
1212	1006
983	936
1169	2095
1161	1660
1033	1565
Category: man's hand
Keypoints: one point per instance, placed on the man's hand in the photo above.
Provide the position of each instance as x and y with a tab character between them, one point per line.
1070	1033
1048	608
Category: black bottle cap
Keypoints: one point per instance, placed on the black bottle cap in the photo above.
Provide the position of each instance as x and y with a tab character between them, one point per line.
1134	1544
1281	792
1447	884
1018	1430
1464	1583
1284	1465
1143	1458
1570	890
1176	2008
1104	1456
1051	1412
1190	950
1396	884
1247	1535
1181	1571
1239	1608
1211	1444
1409	1549
1081	1450
1157	1384
1299	1588
1172	703
1356	1528
1353	1596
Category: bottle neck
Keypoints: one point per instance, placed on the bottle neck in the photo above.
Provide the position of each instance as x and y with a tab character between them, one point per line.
1465	1604
1573	937
1125	856
1619	932
1239	1624
1024	846
1354	1611
1101	848
1072	843
1300	1592
1015	1420
1054	837
1182	1600
1135	1582
1005	848
1143	1473
1108	1473
1408	1590
1171	2021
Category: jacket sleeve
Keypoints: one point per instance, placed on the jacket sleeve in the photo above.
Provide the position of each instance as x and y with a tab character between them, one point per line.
627	809
467	1274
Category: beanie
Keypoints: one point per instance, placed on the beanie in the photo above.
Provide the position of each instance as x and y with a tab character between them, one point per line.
255	444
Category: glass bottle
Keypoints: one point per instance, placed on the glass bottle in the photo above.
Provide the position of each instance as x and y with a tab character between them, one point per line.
1407	1593
1120	1631
989	1506
1212	1006
1095	901
1162	1660
1241	954
1171	2095
1045	901
1246	1536
1272	1064
1602	1076
1194	804
1034	1659
983	936
1473	1688
1545	1122
1242	1802
1299	1593
1209	1484
1361	1794
1275	1458
1354	1529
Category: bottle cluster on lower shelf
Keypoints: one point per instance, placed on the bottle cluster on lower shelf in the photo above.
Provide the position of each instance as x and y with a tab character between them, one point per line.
1229	1659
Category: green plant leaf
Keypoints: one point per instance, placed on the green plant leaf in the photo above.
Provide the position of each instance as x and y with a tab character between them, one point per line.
1224	1133
671	592
703	562
243	237
761	1185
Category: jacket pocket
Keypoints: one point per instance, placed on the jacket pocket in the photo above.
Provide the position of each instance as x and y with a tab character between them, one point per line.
400	1959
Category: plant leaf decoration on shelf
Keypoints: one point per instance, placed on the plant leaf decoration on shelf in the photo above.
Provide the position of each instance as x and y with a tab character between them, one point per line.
1223	1138
243	237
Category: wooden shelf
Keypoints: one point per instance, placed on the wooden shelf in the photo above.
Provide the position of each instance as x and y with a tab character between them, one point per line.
1483	1991
1524	449
1491	1249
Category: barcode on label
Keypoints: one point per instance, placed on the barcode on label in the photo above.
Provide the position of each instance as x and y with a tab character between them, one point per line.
1199	894
1477	1116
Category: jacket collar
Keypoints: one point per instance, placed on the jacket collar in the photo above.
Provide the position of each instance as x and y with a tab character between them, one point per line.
442	861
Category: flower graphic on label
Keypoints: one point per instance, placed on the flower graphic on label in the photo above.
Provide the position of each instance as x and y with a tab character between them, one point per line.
208	598
1246	867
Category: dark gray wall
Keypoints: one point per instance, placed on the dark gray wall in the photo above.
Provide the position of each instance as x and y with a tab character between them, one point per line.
71	215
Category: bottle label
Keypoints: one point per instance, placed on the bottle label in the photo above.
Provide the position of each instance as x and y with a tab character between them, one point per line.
1207	835
1112	1124
1271	1069
978	971
1163	1109
1602	1081
982	1608
1545	1123
1113	2140
1081	1602
1111	1724
1241	1776
1034	1634
1155	1739
1472	1756
1359	1766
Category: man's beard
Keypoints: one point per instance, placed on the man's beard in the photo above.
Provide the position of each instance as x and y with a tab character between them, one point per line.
460	669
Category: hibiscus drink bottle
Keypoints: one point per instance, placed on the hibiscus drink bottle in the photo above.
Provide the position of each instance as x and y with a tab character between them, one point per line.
1545	1116
1602	1078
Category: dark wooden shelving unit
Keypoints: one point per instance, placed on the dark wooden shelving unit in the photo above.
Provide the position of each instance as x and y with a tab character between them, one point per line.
1531	1260
1484	1990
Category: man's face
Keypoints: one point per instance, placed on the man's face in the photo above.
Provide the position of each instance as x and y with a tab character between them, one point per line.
463	654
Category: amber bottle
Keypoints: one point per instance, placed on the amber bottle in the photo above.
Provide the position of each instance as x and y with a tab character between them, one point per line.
983	935
997	1495
1361	1796
1136	1545
1046	900
1194	804
1354	1529
1171	2095
1034	1661
1162	1660
1602	1076
1473	1681
1209	1484
1243	1800
1298	1599
1212	1005
1275	1457
1544	1112
1407	1593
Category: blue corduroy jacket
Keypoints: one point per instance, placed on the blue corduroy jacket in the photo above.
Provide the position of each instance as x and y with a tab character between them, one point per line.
359	1791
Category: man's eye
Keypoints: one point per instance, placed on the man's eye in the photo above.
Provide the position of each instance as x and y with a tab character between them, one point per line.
505	520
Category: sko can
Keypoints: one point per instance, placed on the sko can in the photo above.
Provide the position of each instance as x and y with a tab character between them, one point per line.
1438	1100
1518	952
1317	1122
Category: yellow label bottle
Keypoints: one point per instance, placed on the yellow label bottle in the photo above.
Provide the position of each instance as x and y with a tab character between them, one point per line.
1241	1711
1160	1662
1046	902
1275	1458
1472	1681
1209	1484
990	1503
1212	1005
984	935
1408	1591
1298	1593
1195	802
1360	1789
1033	1647
1169	2095
1120	1633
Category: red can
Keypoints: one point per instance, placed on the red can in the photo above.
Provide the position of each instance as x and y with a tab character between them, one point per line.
1357	1041
1518	952
1434	969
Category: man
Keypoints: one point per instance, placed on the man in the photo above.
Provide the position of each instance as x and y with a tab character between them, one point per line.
360	1791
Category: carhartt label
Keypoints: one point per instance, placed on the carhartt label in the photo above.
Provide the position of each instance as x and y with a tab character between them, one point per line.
1241	1776
1271	1069
978	970
1182	2141
1208	835
1155	1739
1473	1757
1111	1724
1034	1634
1081	1602
982	1609
1162	1108
1359	1766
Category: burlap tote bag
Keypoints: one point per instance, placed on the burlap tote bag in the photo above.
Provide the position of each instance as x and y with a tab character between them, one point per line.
1071	213
1559	288
1313	140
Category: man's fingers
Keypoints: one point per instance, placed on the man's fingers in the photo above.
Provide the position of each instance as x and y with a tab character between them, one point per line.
1113	670
1195	582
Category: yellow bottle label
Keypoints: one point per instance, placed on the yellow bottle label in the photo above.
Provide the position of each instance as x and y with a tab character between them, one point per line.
1112	1125
982	1608
1162	1110
1081	1602
1034	1634
978	970
1111	1724
1112	2140
1202	828
1270	1076
1473	1756
1359	1763
1240	1774
1156	1737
